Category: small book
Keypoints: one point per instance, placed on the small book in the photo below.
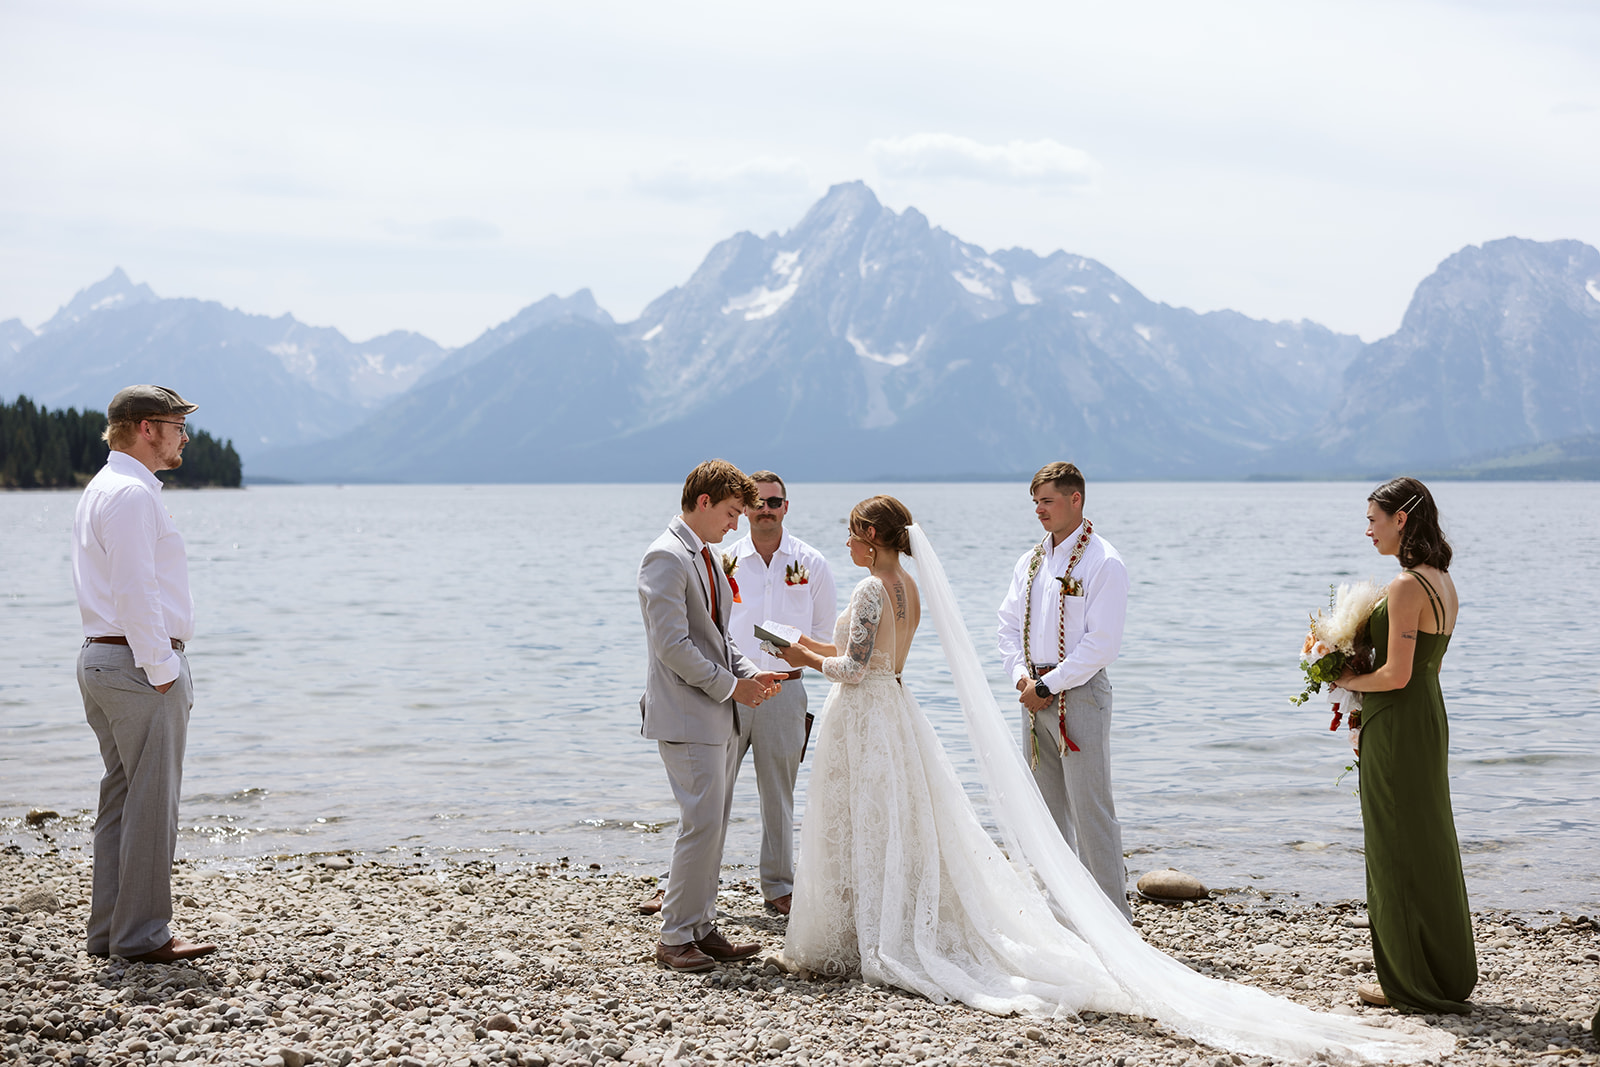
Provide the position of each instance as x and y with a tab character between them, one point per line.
777	633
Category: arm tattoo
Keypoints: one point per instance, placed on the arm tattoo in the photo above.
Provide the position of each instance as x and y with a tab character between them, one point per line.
899	601
1408	635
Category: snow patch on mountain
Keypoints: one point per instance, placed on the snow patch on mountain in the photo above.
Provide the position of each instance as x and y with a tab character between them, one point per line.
1592	286
973	285
762	302
897	358
1023	292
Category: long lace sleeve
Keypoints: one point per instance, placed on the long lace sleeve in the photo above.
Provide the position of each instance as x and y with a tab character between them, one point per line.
866	611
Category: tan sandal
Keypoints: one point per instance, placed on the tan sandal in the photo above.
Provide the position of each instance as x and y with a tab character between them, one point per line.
1372	993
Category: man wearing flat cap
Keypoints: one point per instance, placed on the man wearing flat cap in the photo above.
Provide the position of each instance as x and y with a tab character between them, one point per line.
132	576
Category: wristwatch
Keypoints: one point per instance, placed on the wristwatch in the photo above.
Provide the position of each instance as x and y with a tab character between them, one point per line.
1042	691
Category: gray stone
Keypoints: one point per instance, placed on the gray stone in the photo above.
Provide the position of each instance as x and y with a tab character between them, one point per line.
39	898
500	1021
1171	885
292	1057
337	863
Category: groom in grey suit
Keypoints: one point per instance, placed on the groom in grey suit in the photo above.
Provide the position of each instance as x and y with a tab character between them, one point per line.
695	679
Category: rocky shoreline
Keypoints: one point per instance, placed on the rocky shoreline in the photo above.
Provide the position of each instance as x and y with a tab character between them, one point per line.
347	960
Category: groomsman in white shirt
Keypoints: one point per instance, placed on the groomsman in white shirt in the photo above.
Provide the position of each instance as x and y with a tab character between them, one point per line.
131	573
782	579
1069	595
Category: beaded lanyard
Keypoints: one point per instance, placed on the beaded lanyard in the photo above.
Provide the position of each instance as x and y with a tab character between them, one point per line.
1065	743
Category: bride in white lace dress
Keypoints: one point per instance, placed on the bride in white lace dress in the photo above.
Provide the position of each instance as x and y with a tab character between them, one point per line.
899	881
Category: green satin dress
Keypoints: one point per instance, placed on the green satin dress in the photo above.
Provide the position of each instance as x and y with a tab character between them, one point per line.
1416	895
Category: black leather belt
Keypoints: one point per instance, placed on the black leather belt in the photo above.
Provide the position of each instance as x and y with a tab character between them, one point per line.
118	639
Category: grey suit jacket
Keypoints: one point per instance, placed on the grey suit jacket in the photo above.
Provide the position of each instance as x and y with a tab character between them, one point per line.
693	663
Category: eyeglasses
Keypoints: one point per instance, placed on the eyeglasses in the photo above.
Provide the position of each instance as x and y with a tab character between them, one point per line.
182	427
772	503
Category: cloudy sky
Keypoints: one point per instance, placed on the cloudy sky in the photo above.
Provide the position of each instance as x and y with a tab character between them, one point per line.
436	166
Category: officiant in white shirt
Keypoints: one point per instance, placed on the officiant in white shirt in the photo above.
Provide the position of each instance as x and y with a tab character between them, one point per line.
1060	628
782	579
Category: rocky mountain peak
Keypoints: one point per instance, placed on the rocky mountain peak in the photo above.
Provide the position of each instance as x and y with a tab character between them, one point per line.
1514	277
116	290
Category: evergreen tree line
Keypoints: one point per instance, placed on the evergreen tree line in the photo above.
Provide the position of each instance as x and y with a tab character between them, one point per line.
42	449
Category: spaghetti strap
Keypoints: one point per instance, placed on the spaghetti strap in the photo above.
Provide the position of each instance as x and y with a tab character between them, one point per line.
1434	600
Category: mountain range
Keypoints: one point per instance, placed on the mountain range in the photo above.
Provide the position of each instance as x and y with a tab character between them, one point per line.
866	343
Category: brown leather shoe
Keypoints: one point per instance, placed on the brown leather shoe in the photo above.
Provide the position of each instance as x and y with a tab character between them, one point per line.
722	950
175	950
1372	993
683	957
653	905
781	904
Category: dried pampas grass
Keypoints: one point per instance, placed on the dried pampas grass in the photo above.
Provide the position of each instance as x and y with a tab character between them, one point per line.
1345	627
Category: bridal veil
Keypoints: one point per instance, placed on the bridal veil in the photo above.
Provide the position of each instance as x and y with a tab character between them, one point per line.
1222	1014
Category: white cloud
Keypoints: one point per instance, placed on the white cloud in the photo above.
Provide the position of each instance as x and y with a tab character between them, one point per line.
762	176
947	155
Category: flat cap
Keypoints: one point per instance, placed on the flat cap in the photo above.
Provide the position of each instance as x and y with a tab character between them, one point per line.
143	401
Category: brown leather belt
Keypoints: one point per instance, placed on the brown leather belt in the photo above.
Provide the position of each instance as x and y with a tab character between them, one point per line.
792	675
117	639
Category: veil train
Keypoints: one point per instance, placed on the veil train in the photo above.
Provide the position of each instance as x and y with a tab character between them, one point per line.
1225	1015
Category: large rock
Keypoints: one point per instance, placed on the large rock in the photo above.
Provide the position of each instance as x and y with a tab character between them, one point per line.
1171	885
39	898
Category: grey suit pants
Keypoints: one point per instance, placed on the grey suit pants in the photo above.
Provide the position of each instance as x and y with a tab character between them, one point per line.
701	777
777	731
1077	787
142	734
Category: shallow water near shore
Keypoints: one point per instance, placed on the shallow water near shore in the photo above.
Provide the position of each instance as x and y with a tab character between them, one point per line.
448	670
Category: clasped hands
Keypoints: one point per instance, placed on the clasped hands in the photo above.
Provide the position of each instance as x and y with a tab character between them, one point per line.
1030	699
752	691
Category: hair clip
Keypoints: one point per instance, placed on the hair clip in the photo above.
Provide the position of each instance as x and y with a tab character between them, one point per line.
1406	507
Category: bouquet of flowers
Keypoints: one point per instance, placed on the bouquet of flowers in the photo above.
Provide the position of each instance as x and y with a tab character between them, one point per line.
1336	641
730	563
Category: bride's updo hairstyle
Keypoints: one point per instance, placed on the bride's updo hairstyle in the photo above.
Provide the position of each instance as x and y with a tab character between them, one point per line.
886	515
1422	540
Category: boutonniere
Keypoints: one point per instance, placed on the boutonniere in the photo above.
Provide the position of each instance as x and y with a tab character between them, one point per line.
796	574
1071	586
730	563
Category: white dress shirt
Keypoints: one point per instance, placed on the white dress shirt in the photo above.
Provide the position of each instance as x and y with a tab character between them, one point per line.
765	593
1094	620
130	567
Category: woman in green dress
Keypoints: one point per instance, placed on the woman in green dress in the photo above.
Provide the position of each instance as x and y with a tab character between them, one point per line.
1416	895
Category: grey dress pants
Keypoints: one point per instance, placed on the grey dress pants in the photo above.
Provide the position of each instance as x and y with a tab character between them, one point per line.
142	735
1077	786
777	731
701	777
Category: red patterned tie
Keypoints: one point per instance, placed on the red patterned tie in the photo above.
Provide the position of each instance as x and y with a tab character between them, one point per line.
711	577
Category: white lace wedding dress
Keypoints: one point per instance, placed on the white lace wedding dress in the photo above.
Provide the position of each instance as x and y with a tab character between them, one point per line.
898	881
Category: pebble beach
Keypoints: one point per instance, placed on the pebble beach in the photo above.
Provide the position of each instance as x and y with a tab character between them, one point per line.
350	959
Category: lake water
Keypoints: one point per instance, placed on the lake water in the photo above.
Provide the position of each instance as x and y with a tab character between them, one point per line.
454	672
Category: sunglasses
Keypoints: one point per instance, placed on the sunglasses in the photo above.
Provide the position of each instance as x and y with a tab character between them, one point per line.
772	503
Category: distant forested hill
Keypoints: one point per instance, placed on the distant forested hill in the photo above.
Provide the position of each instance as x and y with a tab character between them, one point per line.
42	449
